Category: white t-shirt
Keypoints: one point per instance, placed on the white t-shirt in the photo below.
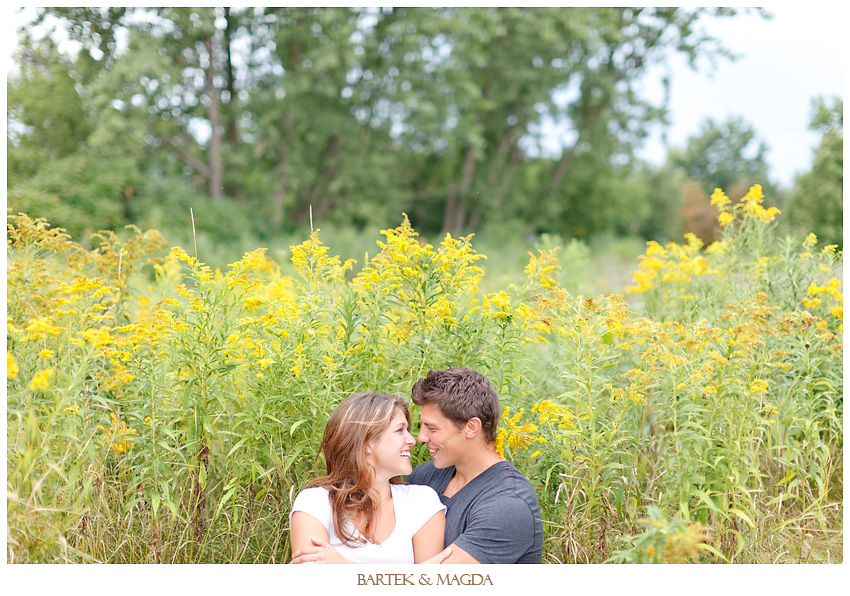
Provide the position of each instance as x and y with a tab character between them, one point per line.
413	505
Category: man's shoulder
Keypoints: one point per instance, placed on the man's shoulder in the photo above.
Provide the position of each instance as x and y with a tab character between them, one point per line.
505	474
504	483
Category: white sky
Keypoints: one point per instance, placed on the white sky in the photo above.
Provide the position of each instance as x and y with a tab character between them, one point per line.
785	63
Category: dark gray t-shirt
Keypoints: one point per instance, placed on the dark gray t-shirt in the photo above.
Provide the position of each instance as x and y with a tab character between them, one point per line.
495	517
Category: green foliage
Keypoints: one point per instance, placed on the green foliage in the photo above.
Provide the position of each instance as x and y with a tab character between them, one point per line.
724	155
817	199
353	115
173	417
46	111
666	540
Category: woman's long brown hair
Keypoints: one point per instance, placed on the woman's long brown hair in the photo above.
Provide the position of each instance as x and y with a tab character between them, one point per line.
357	421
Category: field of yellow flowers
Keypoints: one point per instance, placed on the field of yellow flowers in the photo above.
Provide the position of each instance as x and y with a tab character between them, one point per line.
162	411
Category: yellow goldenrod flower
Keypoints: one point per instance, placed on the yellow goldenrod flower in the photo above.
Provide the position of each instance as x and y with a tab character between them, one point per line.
759	385
653	249
718	247
40	329
46	354
683	546
180	255
650	551
725	218
539	267
118	437
11	366
755	193
41	380
719	199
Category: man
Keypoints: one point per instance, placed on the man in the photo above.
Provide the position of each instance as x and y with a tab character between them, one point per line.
492	515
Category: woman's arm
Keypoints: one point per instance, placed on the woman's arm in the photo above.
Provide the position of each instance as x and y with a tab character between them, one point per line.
302	527
428	540
308	539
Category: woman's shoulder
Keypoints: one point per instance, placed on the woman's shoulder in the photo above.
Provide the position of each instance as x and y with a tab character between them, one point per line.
316	494
315	502
416	504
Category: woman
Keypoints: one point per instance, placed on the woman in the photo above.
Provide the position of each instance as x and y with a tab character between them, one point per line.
355	514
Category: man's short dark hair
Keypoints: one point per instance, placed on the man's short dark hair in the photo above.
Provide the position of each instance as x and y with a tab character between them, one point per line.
461	394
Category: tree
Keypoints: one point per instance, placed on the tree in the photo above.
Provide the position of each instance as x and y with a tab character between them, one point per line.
355	115
816	201
476	86
53	124
728	155
50	168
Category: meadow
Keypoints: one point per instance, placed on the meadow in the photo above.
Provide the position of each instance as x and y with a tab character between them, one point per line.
160	410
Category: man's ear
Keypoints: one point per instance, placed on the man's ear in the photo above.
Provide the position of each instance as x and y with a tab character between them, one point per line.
472	427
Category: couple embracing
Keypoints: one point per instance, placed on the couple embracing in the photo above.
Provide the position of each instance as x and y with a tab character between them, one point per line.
466	505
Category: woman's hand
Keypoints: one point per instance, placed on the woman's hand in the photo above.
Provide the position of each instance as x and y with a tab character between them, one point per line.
439	557
320	552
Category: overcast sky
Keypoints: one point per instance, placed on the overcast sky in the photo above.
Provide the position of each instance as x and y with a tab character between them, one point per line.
785	62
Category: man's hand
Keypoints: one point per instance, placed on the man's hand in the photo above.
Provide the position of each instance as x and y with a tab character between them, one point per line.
320	552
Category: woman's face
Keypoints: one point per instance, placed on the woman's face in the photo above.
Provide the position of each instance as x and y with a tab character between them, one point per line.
390	451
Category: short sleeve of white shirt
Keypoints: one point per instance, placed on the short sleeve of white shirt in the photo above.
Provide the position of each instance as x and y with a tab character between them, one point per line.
421	502
314	501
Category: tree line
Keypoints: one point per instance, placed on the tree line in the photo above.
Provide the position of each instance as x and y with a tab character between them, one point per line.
262	118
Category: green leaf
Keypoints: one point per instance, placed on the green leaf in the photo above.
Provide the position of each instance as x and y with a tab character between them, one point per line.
235	447
296	425
712	550
743	516
791	473
225	498
710	502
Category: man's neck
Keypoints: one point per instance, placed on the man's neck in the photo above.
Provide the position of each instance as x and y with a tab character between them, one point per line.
475	462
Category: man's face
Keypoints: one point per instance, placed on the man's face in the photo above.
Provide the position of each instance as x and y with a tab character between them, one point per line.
446	442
